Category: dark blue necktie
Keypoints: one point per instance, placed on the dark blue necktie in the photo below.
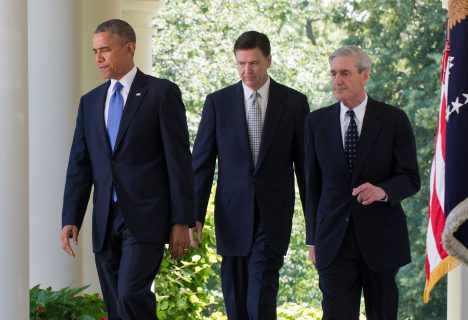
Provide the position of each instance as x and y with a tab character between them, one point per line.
113	120
351	141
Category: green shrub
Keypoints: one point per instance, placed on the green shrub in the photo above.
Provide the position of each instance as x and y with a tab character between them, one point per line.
65	304
298	277
190	288
293	311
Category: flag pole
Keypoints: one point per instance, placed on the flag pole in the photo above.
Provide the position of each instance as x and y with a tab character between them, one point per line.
457	291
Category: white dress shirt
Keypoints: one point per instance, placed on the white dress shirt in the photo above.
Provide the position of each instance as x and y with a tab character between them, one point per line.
359	112
126	81
262	100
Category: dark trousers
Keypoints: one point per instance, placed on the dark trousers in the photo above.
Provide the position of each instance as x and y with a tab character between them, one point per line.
347	276
250	284
126	270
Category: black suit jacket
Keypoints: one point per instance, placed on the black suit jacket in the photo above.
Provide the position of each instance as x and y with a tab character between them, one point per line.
223	135
150	167
386	158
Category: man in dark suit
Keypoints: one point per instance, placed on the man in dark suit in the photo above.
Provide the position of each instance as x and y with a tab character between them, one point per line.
360	163
255	130
130	143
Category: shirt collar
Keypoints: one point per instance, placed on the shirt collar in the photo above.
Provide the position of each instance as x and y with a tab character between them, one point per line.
263	91
126	80
359	110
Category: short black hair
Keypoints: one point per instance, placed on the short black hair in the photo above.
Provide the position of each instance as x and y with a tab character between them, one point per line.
252	40
122	30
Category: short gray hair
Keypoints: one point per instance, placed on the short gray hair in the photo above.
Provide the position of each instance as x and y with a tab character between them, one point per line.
361	59
123	31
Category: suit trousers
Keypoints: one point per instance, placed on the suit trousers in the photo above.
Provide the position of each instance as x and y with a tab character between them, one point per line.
126	269
250	284
347	276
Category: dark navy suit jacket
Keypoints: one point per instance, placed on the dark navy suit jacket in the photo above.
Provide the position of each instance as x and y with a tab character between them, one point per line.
386	158
223	135
150	167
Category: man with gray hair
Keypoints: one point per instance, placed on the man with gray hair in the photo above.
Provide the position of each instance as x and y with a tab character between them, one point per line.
131	144
360	163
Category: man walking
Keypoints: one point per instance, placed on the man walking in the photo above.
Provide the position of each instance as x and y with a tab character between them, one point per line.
130	144
254	129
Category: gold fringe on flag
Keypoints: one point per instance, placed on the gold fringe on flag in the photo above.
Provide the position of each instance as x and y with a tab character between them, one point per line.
446	265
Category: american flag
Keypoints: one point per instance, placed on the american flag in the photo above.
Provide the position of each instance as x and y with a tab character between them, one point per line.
447	231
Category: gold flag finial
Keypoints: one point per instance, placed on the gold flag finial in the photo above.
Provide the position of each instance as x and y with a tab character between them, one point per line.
457	11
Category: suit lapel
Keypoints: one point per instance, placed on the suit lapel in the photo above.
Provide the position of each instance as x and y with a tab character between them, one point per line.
273	117
135	96
238	107
100	104
369	132
333	130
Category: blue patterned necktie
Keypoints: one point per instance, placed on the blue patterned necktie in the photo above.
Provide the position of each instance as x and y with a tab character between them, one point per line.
351	141
115	113
254	121
113	120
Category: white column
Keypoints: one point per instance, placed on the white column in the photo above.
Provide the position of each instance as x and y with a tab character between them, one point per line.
457	293
14	277
93	12
54	90
139	14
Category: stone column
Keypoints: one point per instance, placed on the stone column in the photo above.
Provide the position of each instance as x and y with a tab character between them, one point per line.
92	14
457	291
54	90
139	14
14	235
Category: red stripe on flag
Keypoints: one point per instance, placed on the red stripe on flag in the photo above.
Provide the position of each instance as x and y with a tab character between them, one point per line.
435	210
437	220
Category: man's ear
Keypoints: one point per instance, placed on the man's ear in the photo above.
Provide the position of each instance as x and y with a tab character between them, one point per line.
366	75
131	46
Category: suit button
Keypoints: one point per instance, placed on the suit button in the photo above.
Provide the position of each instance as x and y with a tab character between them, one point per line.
347	219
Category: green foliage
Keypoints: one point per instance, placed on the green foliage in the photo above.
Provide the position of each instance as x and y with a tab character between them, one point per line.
65	304
302	311
193	47
293	311
298	277
189	288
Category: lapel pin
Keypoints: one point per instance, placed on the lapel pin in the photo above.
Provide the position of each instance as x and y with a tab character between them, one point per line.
138	94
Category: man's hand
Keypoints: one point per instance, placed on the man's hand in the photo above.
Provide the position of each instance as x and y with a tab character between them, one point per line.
69	231
198	229
367	193
179	241
312	254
